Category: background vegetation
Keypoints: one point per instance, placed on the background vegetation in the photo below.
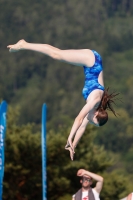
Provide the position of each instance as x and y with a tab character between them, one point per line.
28	79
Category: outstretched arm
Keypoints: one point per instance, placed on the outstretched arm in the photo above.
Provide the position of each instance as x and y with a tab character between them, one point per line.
76	57
80	132
79	120
77	137
96	177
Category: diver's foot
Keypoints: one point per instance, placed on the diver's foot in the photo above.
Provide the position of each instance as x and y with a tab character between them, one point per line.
16	47
71	152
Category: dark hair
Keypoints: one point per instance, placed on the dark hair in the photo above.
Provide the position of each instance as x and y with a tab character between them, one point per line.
105	104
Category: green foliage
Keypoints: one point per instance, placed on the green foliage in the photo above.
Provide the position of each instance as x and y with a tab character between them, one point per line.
28	79
23	169
88	156
115	186
70	24
22	160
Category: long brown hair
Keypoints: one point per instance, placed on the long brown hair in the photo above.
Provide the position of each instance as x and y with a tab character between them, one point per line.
105	104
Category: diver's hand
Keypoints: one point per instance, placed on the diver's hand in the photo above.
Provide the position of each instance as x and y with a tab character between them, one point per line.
71	152
81	172
69	144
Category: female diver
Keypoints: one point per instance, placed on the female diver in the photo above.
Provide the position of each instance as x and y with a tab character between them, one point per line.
97	98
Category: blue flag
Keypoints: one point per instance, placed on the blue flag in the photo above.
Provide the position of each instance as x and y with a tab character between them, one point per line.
3	110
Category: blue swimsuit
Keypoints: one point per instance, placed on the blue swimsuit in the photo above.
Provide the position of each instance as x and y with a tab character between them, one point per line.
91	76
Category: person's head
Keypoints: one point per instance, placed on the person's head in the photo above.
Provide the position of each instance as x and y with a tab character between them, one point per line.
86	181
100	116
92	117
106	104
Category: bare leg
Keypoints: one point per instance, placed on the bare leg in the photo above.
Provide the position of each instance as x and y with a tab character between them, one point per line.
42	48
78	57
77	137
